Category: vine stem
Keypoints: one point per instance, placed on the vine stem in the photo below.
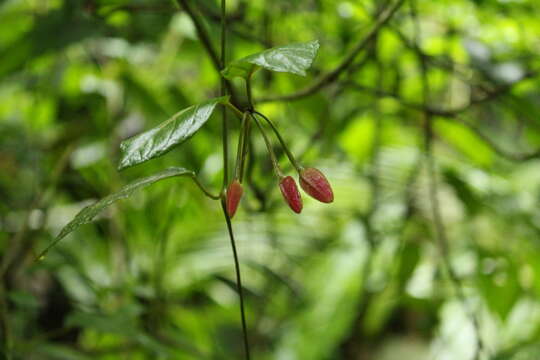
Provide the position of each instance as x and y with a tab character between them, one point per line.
223	92
226	179
238	277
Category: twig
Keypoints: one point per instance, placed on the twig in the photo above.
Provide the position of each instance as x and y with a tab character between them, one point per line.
328	78
207	44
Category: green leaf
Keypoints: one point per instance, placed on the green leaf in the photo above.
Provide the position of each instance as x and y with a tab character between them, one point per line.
88	214
293	58
121	321
170	133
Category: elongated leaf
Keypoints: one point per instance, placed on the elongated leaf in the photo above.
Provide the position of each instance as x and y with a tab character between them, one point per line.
293	58
168	134
88	214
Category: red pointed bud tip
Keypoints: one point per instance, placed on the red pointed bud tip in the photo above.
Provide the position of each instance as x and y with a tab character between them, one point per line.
315	184
234	194
291	194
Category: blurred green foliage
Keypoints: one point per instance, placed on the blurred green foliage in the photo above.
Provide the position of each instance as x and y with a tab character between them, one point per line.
374	275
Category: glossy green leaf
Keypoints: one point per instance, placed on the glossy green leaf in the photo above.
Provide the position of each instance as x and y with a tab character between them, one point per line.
172	132
293	58
89	213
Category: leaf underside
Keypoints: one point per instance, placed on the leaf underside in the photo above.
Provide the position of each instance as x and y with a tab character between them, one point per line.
88	214
293	58
170	133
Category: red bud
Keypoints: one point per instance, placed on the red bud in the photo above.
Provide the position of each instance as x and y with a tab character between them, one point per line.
315	184
291	194
234	194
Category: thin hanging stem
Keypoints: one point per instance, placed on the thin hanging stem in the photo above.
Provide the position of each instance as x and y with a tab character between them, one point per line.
268	144
225	181
203	188
240	149
248	91
289	154
223	91
245	149
238	277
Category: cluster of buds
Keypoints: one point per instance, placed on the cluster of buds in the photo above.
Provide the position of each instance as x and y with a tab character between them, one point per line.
312	181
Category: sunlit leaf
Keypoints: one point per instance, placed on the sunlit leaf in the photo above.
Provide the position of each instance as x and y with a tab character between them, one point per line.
172	132
293	58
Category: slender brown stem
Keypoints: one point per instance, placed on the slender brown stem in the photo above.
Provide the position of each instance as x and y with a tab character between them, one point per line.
268	144
207	43
245	149
240	149
289	154
223	91
225	176
248	91
238	278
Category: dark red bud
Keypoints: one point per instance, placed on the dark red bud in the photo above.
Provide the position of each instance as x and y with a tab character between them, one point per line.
315	184
291	194
234	194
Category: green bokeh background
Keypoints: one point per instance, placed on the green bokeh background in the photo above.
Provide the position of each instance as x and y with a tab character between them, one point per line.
362	278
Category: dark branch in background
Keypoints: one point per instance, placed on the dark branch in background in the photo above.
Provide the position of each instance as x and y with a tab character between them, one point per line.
207	44
512	156
328	78
486	97
238	15
163	7
446	63
455	114
372	235
440	231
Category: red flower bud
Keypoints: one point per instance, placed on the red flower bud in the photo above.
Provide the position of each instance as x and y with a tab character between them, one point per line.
291	194
234	194
315	184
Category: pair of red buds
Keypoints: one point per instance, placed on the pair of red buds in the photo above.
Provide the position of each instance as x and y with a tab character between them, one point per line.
312	181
